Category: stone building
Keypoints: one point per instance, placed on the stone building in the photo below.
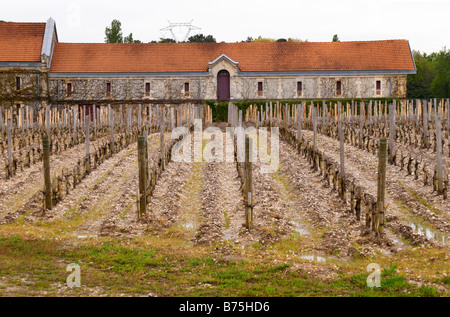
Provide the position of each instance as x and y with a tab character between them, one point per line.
26	50
50	72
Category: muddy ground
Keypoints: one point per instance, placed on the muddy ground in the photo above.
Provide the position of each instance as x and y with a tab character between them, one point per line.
202	203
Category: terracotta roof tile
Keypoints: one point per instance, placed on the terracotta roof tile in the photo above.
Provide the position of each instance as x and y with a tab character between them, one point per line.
194	57
21	42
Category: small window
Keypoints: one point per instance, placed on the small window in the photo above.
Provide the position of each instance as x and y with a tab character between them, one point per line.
17	83
299	88
186	89
260	88
338	88
108	89
69	89
378	87
147	89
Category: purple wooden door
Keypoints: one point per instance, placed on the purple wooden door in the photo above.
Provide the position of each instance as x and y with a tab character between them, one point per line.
223	85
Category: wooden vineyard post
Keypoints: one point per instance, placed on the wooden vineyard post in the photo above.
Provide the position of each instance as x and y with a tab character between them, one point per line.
286	117
375	111
47	120
439	172
248	184
271	114
361	122
2	127
111	127
314	120
94	120
83	117
88	159
145	134
172	118
139	117
262	114
121	115
161	137
381	185
150	116
129	120
447	111
47	179
391	131
341	141
10	158
142	177
74	125
352	118
20	119
425	124
299	121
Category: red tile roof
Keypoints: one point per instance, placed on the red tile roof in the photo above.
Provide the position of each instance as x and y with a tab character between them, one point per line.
194	57
21	42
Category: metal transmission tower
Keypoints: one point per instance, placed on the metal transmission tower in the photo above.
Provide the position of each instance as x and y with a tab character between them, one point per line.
180	26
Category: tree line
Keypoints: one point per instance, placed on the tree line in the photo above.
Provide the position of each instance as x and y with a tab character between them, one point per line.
433	75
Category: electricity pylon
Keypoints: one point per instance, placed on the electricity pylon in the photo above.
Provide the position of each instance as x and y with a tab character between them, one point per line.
187	25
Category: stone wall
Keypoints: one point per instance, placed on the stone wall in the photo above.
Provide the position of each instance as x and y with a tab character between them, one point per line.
241	88
33	84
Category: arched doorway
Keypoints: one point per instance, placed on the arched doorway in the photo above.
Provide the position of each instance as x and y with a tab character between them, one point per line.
223	85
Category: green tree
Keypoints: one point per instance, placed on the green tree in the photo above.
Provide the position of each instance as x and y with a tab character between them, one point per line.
200	38
336	38
113	34
440	85
281	40
419	84
129	39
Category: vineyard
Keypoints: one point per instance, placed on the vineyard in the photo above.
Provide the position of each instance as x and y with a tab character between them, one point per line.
284	199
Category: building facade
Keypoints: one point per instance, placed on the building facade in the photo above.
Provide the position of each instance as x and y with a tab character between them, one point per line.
36	68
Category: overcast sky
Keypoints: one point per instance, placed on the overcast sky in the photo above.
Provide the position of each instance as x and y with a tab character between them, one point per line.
425	23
